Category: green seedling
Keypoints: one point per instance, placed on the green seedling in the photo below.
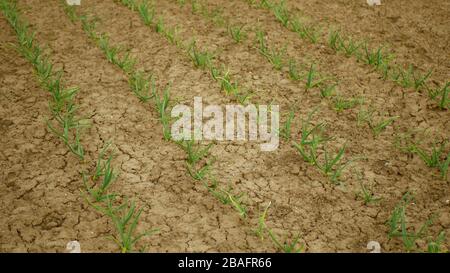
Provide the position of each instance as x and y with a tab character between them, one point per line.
162	104
287	247
125	218
331	165
431	159
402	77
341	103
70	11
195	7
434	157
311	81
381	126
237	33
97	191
89	26
64	134
261	40
201	59
171	35
159	28
366	194
384	69
275	57
334	40
146	12
435	246
441	95
286	129
350	47
364	116
126	63
410	78
62	98
265	4
141	85
420	80
215	72
243	97
312	134
131	4
213	188
195	153
44	69
311	138
308	152
327	90
226	84
236	201
375	58
304	31
398	215
281	13
226	197
199	173
398	225
293	70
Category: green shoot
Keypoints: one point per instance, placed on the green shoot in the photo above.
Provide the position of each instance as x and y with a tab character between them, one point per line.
441	95
236	202
341	103
287	247
97	191
304	31
311	137
70	11
237	33
194	153
435	246
200	173
266	4
216	192
281	13
293	71
125	219
398	225
375	58
262	46
141	85
201	59
286	130
159	28
310	79
379	127
147	14
331	164
334	40
162	104
327	90
366	193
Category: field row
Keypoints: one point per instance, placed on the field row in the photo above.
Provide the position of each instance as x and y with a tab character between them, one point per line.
338	142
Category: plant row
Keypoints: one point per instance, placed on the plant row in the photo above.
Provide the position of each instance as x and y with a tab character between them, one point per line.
67	126
379	58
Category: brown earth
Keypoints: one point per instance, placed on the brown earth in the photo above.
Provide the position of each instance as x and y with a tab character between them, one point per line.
42	208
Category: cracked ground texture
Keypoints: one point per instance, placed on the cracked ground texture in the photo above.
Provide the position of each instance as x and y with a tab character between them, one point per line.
41	206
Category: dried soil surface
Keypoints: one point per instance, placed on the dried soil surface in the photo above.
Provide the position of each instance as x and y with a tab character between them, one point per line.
41	205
